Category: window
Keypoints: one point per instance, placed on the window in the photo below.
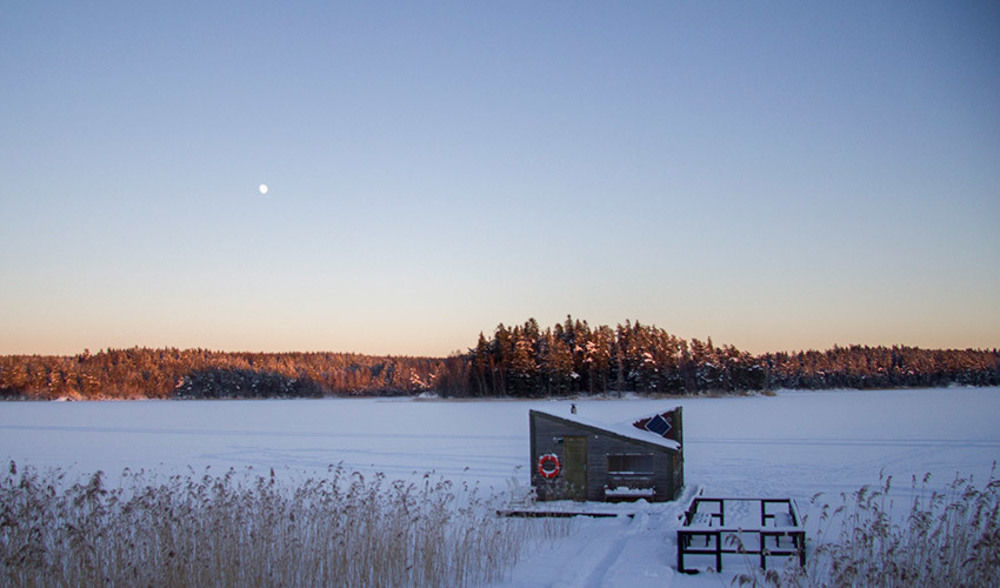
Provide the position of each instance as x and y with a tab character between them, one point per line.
630	463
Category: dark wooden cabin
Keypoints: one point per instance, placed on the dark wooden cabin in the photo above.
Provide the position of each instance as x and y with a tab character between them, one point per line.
575	459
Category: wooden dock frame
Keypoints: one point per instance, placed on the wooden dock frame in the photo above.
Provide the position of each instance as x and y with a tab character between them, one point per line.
722	539
561	514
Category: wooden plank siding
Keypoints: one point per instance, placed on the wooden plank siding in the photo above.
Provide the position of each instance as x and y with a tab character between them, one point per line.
549	435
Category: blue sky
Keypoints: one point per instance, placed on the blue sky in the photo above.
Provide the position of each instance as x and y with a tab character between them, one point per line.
773	175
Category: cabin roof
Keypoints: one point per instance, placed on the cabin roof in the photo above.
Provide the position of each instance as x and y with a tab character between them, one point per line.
625	430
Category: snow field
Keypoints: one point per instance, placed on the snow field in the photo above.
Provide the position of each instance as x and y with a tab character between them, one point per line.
795	444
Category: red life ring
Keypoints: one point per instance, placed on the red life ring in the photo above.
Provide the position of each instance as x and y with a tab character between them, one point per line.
549	466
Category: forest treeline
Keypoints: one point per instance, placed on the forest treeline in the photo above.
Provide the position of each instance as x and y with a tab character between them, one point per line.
198	373
573	358
522	361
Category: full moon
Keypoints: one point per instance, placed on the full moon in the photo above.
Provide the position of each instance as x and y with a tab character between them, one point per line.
262	188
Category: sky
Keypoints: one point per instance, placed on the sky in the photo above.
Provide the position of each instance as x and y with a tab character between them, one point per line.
773	175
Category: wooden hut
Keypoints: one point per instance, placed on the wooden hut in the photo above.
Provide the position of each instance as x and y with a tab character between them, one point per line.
576	459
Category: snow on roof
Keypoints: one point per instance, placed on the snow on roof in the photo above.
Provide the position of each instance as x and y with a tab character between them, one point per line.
626	429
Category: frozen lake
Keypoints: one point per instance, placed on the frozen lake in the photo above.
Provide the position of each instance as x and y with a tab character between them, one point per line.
795	443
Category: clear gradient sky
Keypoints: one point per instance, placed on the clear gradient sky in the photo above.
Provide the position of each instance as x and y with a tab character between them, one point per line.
774	175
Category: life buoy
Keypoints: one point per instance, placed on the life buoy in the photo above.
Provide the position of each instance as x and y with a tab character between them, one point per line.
549	466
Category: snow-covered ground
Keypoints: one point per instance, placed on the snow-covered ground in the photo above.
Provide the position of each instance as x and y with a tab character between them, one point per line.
793	444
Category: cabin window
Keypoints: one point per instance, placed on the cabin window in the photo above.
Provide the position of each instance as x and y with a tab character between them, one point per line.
630	463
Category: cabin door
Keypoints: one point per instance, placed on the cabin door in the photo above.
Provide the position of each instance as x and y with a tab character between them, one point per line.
575	470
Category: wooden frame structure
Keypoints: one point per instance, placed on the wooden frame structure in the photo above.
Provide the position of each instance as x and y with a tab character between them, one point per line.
748	526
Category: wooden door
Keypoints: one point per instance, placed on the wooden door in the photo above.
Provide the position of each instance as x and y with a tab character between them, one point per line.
575	470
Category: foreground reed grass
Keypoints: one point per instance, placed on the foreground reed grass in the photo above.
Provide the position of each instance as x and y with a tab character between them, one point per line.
240	529
949	538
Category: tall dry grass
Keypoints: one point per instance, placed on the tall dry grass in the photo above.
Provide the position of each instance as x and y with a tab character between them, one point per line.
945	538
241	529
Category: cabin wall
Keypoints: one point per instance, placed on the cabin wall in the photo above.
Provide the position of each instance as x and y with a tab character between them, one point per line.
546	435
550	436
661	479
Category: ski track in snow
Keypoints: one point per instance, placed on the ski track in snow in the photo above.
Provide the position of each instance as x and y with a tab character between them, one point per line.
795	444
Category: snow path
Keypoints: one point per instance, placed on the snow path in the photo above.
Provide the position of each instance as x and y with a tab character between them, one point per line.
594	558
609	552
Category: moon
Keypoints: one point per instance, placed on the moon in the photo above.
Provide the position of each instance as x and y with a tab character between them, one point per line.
262	188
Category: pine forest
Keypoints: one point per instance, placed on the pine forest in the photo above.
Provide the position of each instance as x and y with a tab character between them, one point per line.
523	361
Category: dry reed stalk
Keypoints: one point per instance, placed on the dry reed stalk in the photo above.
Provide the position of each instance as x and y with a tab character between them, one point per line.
237	530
